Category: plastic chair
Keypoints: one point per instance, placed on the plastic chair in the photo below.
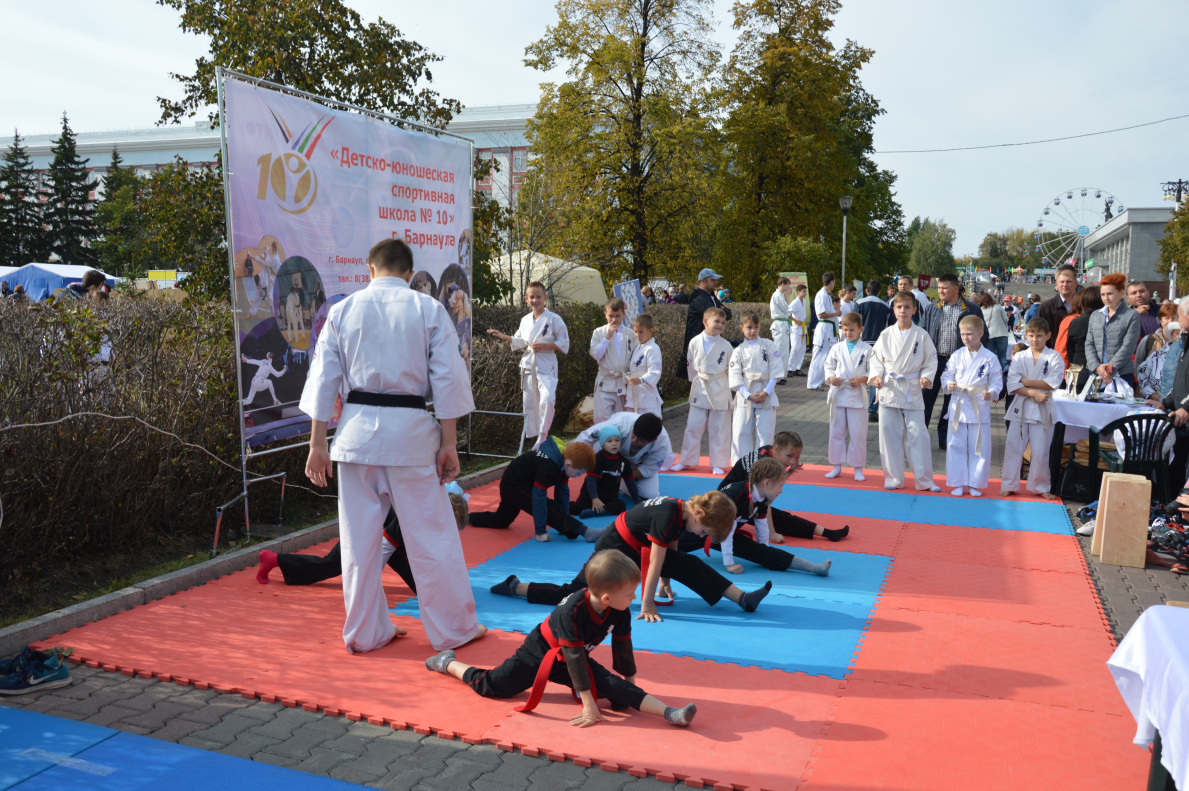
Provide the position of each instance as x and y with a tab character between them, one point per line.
1143	450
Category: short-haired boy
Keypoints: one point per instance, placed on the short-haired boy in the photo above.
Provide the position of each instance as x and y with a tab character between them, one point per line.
800	330
559	650
708	358
755	367
974	378
903	363
846	373
599	494
611	346
1033	376
644	370
525	487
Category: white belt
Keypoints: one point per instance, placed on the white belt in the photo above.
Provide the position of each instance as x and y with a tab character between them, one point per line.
706	379
901	378
971	393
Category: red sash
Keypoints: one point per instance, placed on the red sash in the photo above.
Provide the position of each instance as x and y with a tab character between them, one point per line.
546	667
645	550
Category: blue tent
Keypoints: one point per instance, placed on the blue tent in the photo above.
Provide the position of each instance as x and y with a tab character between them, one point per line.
40	280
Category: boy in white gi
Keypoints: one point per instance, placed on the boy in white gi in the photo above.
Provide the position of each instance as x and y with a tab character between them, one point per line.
825	335
644	370
611	346
645	445
708	358
1033	376
541	334
390	346
846	373
782	323
800	331
755	367
974	376
903	362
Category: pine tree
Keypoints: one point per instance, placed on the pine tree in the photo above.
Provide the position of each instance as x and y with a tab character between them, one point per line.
119	244
68	211
22	239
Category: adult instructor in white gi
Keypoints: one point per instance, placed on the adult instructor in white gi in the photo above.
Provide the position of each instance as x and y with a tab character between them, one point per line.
388	347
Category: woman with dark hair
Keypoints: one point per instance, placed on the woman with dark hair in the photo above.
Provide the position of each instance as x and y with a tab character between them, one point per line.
1075	336
995	318
1113	333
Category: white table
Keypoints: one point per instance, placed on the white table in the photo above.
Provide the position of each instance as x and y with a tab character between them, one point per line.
1151	669
1078	416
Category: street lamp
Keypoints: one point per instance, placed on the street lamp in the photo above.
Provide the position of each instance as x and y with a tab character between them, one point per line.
845	202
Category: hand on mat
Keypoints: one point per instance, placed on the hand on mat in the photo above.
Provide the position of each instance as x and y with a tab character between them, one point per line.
597	505
735	568
666	589
589	716
447	464
776	538
319	467
648	613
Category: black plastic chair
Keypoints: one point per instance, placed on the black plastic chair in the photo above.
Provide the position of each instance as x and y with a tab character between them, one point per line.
1143	450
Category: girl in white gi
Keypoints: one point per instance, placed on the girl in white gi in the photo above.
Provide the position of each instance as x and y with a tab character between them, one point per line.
264	370
846	373
645	445
541	334
644	370
708	358
611	346
903	362
389	347
825	335
974	377
782	323
755	367
1033	376
800	330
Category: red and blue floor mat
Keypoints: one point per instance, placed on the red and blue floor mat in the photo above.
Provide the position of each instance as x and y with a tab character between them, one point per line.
955	644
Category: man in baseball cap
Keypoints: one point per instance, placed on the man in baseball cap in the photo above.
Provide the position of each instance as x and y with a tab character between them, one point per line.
701	298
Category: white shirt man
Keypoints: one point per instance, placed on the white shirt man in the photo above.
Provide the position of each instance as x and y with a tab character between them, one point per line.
646	456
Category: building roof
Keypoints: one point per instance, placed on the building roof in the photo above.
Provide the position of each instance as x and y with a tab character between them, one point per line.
1110	231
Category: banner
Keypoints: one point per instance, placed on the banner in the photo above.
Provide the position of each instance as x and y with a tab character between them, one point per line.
311	189
633	300
796	278
923	282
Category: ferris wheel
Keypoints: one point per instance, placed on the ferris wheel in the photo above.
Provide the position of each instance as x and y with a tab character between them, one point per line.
1068	219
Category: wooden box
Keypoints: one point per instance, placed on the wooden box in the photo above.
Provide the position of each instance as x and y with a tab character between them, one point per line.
1121	526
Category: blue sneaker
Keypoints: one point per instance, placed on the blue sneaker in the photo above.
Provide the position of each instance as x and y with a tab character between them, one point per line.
47	674
22	660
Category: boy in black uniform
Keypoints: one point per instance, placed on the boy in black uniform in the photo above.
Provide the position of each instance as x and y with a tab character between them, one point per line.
308	569
600	492
752	498
525	487
559	651
786	450
646	534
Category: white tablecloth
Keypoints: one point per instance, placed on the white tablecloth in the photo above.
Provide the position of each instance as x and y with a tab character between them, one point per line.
1151	669
1078	416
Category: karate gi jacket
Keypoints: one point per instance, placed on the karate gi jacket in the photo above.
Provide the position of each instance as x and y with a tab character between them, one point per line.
756	365
388	338
901	363
981	369
709	374
648	459
778	307
549	328
645	365
1049	368
613	356
847	364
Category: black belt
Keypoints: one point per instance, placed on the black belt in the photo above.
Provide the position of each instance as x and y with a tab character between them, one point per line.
385	399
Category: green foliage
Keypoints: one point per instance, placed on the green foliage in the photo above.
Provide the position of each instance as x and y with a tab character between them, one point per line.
789	254
181	211
22	239
1174	247
1012	248
932	247
319	46
67	211
488	220
120	245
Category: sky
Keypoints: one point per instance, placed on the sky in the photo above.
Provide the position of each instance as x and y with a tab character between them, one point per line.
947	73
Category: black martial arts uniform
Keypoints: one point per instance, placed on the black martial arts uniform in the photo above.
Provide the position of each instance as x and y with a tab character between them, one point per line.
308	569
744	546
525	486
655	522
563	644
783	522
603	482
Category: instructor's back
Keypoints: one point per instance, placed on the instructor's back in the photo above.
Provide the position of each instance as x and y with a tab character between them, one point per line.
386	349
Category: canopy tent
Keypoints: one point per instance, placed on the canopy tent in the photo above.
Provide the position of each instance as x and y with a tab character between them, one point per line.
40	280
566	280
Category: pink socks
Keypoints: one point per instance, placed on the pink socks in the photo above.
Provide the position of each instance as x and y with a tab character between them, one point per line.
268	562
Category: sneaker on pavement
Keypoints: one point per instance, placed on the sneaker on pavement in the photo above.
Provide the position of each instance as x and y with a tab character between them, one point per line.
22	660
48	674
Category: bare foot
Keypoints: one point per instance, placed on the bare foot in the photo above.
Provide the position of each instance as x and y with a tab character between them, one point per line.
776	538
1048	495
1005	493
482	631
543	537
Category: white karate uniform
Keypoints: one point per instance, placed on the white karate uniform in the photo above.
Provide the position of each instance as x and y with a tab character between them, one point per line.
375	341
538	372
782	326
1030	423
901	359
755	367
848	405
846	307
294	322
645	365
708	359
968	444
646	461
800	335
612	355
267	267
825	335
260	381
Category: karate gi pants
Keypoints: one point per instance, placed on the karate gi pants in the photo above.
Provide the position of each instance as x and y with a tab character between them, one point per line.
518	672
1021	434
430	532
612	504
749	433
513	500
783	340
647	487
718	422
607	404
539	404
848	437
817	365
309	569
789	524
797	349
745	548
962	466
903	431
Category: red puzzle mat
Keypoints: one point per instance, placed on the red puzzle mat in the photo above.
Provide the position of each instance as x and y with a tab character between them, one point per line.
982	667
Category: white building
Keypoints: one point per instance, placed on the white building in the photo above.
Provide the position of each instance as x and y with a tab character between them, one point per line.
1130	243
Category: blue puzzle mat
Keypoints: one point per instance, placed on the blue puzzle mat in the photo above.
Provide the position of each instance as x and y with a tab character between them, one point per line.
72	755
808	623
900	506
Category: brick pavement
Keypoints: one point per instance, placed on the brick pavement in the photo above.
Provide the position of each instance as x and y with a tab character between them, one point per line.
381	757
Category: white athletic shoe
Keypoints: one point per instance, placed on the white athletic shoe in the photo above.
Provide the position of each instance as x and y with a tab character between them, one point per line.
834	473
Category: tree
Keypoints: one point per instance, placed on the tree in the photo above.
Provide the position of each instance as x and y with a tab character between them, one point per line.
67	211
789	254
489	221
118	222
624	141
181	212
932	248
1174	247
22	239
318	46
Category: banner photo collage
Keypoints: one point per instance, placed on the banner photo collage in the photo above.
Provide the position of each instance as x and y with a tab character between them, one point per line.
312	188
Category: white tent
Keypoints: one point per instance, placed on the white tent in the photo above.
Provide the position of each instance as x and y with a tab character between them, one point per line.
566	280
40	280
